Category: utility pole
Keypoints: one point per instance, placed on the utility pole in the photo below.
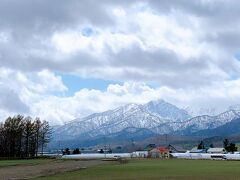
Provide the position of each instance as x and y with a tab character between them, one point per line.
104	148
166	140
59	148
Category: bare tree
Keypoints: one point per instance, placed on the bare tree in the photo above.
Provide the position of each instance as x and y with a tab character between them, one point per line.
37	129
45	135
28	132
22	137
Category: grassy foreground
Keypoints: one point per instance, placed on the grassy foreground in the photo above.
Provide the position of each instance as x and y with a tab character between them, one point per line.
6	163
158	169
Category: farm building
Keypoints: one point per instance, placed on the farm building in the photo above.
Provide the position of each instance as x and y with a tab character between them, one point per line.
196	150
159	152
216	150
140	154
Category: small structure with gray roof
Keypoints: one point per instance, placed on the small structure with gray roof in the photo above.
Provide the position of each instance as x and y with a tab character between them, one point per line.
216	150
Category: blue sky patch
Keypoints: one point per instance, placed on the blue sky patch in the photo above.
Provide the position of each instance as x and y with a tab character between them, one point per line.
237	55
87	31
75	83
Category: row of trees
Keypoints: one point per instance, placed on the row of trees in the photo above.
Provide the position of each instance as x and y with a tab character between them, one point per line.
201	145
23	136
229	147
67	151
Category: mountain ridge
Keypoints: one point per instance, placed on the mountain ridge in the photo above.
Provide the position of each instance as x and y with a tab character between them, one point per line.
158	117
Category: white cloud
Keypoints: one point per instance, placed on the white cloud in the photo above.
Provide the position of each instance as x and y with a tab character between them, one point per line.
144	44
46	81
84	102
60	109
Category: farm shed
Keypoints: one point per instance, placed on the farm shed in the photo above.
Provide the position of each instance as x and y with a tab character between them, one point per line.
196	150
216	150
159	152
140	154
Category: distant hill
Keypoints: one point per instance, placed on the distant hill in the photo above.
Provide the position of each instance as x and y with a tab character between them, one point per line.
139	122
148	116
205	122
127	135
230	128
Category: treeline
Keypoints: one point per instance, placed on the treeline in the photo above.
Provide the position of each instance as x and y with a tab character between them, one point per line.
230	147
22	137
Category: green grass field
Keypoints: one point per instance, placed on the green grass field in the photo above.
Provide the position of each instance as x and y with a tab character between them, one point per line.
158	169
6	163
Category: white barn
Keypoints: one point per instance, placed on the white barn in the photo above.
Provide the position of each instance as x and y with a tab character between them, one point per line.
216	151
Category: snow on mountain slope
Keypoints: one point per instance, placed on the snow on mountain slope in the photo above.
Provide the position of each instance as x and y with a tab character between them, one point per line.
158	116
199	123
193	111
166	110
147	116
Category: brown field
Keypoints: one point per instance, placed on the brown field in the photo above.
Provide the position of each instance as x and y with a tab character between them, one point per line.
27	169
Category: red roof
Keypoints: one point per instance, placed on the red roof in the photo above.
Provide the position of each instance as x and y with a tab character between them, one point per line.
163	149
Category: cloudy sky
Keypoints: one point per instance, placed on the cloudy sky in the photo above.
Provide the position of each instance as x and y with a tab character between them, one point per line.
60	60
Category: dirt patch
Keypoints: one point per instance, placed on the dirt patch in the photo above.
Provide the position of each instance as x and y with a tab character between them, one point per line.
31	171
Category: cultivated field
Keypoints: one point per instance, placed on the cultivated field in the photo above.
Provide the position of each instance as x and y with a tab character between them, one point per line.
28	169
6	163
158	169
134	169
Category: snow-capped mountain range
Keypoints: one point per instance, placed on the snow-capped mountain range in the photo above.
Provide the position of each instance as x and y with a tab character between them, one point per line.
159	117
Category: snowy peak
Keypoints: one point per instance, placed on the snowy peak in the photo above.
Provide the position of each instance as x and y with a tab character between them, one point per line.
147	116
158	117
130	107
127	108
166	110
231	114
206	122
